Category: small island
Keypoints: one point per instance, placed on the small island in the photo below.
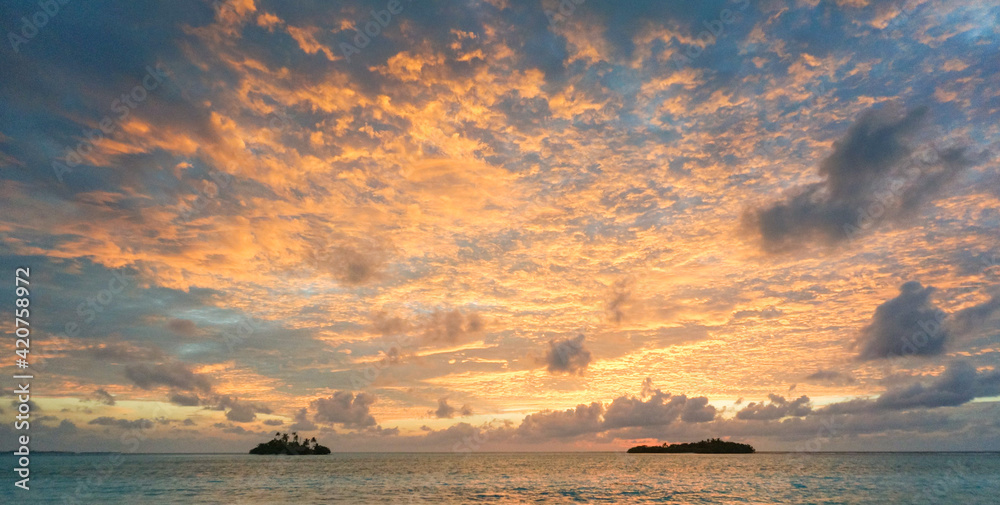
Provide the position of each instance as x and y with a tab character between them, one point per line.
710	446
281	444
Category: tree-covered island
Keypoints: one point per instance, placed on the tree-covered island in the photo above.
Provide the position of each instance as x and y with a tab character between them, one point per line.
281	444
710	446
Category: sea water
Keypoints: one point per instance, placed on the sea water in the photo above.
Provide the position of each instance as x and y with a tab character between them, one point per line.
764	478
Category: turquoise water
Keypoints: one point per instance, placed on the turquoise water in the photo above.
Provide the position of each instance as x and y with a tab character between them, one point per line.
513	478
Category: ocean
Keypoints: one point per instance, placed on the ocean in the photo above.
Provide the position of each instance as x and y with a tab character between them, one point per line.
764	478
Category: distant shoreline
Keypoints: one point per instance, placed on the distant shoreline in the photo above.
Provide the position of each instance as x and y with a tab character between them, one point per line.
708	446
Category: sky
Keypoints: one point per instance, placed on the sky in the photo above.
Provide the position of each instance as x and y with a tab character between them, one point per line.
491	225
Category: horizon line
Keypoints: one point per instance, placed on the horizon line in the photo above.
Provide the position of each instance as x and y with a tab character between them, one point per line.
501	452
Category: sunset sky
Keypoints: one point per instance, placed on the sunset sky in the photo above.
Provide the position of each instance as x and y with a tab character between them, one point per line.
498	225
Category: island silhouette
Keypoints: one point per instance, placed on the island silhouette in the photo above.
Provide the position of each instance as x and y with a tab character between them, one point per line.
281	444
710	446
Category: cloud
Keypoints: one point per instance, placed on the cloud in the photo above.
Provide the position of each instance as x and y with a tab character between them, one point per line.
353	263
869	176
769	312
567	356
138	424
970	319
345	408
31	404
697	410
957	385
906	325
124	351
185	400
302	422
274	422
239	430
175	375
614	306
660	409
960	383
102	396
777	408
183	327
446	411
241	414
830	376
562	423
239	411
389	325
66	426
451	327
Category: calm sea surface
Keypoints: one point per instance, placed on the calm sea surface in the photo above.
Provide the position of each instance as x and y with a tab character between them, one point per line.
512	478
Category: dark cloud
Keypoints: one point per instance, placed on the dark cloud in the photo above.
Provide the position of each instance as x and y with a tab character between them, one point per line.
776	408
647	387
614	306
238	430
435	329
391	356
451	327
273	422
870	176
957	385
241	414
381	432
175	375
567	356
389	325
185	400
183	327
830	376
66	426
446	411
302	422
138	424
872	147
697	410
345	408
906	325
102	396
239	411
970	319
769	312
353	263
562	423
31	405
123	351
960	383
660	409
